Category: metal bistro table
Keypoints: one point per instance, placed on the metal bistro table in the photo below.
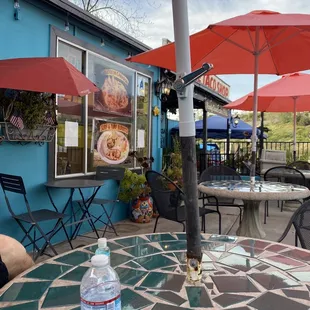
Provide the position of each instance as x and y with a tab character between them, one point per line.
72	185
250	225
238	273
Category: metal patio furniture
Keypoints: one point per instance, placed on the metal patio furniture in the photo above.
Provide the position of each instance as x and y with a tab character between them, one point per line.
103	173
220	173
15	186
300	165
301	222
283	174
169	202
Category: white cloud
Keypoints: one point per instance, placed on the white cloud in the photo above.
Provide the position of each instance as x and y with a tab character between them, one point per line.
204	12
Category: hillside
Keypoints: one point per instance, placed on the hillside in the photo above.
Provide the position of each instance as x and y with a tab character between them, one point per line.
281	125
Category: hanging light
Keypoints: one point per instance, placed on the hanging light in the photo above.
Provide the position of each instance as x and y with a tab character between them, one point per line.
102	42
67	25
16	9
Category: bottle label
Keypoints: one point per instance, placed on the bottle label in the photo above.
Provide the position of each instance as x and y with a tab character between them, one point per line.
112	304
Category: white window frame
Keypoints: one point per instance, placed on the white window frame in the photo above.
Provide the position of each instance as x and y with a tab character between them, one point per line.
134	118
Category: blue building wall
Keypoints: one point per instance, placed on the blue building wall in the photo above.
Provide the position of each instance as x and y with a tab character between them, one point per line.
30	37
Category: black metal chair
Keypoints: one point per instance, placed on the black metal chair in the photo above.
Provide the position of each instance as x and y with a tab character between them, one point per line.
283	174
105	173
300	165
220	173
301	222
169	202
15	186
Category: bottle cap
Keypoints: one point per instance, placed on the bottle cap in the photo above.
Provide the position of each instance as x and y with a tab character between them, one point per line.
102	242
100	260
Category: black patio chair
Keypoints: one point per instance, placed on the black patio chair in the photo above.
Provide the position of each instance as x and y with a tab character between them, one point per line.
283	174
301	222
15	186
169	203
105	173
300	165
220	173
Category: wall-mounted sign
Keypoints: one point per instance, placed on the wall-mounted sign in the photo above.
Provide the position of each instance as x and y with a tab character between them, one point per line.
216	108
112	144
216	84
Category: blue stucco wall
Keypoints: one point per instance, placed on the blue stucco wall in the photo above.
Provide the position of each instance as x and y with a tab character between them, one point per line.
30	37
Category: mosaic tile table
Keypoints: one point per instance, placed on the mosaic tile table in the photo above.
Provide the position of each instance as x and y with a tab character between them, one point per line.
239	273
252	196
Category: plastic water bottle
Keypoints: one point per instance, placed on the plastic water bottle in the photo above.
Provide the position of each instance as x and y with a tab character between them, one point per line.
100	287
103	248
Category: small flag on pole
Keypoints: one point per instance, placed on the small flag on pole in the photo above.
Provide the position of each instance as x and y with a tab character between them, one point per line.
49	119
16	120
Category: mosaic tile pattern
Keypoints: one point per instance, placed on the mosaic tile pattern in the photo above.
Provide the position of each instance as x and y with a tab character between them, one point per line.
238	273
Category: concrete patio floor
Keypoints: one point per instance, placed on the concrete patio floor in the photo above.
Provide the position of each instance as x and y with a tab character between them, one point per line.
276	224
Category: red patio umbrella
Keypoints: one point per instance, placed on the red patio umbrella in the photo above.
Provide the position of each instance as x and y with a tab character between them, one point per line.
291	93
260	42
46	74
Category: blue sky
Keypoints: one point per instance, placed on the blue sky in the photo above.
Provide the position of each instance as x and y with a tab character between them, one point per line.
205	12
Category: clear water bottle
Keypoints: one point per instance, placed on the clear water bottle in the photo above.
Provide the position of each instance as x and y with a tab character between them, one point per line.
100	287
103	247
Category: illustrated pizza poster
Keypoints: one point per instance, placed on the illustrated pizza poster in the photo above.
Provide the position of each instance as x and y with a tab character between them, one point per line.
111	144
116	91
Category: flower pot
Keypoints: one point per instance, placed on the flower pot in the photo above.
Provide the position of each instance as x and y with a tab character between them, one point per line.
142	210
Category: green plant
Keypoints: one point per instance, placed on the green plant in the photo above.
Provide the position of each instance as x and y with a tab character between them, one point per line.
174	171
133	186
31	106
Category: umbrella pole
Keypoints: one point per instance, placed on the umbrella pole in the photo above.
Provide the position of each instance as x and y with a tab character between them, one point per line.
255	103
187	137
295	123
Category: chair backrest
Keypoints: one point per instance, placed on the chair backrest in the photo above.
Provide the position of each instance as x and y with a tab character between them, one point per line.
299	164
301	221
110	173
166	194
219	173
285	174
12	183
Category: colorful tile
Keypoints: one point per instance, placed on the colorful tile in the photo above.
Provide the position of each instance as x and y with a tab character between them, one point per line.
273	280
75	275
298	254
160	237
303	276
142	250
282	262
169	297
112	246
226	300
223	238
173	245
130	276
255	243
160	306
276	248
47	271
234	284
75	258
34	305
62	296
133	265
239	262
212	246
198	297
118	259
155	261
296	294
25	291
164	281
132	300
273	301
130	241
169	268
246	251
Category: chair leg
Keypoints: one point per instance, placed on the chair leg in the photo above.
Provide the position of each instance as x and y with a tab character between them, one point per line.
282	204
157	218
109	220
296	239
183	226
220	223
240	215
67	236
265	212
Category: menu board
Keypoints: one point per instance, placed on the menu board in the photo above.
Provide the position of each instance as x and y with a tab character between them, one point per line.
111	142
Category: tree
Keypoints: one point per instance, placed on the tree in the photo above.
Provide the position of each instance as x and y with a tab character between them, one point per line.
127	15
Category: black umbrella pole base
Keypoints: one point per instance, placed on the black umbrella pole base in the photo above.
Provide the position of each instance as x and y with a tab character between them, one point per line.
189	167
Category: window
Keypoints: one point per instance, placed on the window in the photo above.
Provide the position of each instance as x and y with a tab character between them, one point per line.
104	127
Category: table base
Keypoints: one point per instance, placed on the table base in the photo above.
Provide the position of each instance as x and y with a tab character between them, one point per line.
251	225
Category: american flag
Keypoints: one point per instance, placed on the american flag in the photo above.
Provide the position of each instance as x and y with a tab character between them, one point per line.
16	120
49	119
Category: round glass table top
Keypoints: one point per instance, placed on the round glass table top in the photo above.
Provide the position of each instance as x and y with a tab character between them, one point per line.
238	273
262	190
74	183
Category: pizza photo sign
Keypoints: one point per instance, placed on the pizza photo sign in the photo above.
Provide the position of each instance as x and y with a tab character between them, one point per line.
113	145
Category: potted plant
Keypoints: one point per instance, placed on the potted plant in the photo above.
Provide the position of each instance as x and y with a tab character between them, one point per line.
174	170
28	116
135	191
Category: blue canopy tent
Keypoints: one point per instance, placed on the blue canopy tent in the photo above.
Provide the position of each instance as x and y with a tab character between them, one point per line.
217	129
